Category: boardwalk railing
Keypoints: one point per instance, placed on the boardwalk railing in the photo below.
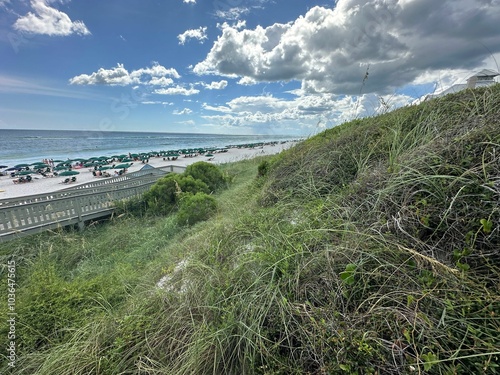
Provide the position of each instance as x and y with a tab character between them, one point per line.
36	213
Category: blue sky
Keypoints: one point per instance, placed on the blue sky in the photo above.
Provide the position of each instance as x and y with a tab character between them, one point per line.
232	66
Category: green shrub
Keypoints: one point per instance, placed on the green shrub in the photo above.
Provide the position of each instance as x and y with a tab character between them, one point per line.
163	196
195	208
208	173
263	168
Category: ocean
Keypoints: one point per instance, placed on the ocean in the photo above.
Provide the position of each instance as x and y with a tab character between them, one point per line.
29	146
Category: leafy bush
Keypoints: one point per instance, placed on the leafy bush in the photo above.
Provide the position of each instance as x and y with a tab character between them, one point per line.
195	208
163	197
208	173
190	184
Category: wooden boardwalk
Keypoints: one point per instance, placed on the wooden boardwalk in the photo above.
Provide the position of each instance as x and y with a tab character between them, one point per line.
36	213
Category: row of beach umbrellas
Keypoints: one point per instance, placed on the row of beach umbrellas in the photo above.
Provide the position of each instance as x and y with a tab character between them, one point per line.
103	161
63	167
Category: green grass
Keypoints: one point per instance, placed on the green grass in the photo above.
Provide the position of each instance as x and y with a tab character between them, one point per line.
371	248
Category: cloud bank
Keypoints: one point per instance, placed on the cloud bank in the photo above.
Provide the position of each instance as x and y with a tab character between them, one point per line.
330	50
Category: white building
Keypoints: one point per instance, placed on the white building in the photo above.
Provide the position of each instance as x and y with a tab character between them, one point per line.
485	77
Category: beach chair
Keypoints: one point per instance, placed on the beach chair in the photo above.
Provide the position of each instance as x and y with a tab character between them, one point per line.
67	180
73	179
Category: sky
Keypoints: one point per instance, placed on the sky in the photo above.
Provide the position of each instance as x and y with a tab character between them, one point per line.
280	67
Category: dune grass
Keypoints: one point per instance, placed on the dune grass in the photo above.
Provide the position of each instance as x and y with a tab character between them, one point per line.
371	248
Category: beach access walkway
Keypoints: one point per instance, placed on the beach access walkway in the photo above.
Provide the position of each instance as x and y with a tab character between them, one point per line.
75	205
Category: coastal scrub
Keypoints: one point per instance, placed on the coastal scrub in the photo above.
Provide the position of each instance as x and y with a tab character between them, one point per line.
371	248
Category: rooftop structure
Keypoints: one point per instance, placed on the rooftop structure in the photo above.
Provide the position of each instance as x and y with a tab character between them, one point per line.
485	77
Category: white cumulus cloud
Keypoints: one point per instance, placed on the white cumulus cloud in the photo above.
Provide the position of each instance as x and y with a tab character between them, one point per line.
156	75
161	81
216	85
200	34
156	70
114	76
49	21
177	90
329	50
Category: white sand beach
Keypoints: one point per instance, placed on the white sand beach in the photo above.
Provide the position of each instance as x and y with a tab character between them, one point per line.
40	184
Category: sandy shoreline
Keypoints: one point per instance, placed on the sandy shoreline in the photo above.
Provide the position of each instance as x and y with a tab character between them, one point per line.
40	184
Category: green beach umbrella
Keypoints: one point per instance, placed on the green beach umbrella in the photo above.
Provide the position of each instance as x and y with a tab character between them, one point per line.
21	166
122	166
209	155
23	173
69	173
60	168
104	167
40	165
94	163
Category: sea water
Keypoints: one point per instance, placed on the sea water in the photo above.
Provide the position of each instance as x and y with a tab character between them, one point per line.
29	146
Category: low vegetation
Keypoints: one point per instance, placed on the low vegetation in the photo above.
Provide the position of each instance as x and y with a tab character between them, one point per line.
183	191
194	208
371	248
